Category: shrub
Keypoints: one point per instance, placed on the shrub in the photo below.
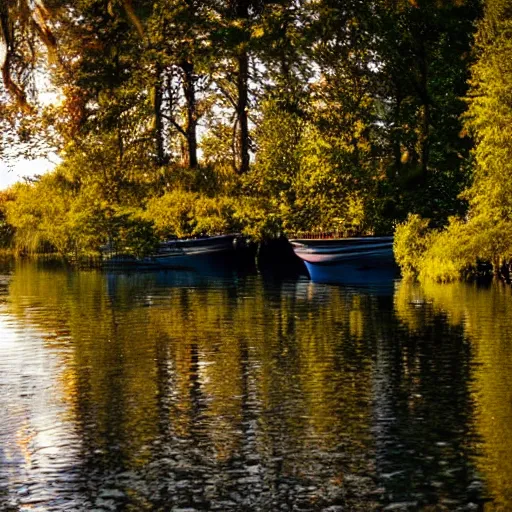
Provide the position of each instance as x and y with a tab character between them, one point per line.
172	213
412	238
180	213
450	253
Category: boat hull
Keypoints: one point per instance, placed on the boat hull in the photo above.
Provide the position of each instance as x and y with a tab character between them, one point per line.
194	254
359	261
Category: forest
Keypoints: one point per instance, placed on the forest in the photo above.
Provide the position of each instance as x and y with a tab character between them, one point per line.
268	118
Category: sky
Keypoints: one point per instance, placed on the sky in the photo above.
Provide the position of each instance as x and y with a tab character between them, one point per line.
10	175
47	95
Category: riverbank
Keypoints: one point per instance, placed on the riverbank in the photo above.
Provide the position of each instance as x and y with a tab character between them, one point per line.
463	250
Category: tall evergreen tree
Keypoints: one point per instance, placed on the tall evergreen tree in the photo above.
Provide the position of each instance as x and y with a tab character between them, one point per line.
489	117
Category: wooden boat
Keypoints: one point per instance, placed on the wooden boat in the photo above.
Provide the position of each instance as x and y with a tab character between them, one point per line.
358	260
189	253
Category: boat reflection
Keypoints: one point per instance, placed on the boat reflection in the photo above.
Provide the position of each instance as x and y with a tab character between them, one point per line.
180	390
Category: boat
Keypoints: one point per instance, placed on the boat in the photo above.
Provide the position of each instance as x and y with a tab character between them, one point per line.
184	253
358	260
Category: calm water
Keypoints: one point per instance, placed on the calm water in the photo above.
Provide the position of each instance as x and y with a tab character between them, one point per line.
175	391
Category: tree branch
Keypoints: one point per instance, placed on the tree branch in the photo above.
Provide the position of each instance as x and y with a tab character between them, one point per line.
128	8
227	95
175	124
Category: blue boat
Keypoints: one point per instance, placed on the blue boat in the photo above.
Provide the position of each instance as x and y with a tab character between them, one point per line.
360	260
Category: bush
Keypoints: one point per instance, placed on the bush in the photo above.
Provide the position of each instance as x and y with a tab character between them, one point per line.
134	234
450	254
454	252
256	218
412	238
6	229
180	213
172	213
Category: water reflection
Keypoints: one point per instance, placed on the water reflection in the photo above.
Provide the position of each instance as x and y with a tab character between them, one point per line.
205	393
485	316
158	390
32	433
425	406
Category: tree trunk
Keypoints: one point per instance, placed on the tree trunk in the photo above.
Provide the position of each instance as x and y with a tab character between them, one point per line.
159	125
241	12
191	126
397	131
120	143
241	110
425	99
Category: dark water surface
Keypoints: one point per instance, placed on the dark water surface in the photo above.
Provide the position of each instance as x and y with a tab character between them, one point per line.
176	391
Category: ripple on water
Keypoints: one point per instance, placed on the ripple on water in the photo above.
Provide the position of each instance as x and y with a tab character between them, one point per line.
169	391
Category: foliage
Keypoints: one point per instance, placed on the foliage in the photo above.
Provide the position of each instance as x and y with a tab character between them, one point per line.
454	252
412	238
425	54
256	219
489	117
182	118
132	233
50	215
6	230
310	178
39	215
449	254
440	255
179	214
486	232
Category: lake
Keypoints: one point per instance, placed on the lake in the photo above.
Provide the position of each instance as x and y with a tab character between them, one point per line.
179	391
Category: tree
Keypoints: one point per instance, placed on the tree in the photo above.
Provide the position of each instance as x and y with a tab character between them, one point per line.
23	27
180	42
485	233
489	120
489	117
236	33
423	59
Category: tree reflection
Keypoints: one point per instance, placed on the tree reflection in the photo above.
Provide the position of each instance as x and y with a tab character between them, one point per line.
194	391
424	408
485	316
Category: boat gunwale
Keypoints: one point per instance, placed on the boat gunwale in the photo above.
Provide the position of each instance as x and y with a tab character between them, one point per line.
344	248
315	241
